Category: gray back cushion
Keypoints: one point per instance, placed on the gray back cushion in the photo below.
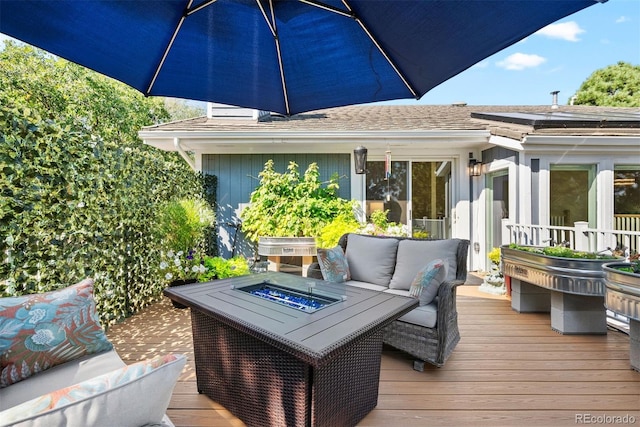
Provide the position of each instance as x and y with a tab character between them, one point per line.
413	255
371	259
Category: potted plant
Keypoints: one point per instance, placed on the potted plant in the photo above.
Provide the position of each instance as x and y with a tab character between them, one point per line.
180	226
379	225
288	211
493	283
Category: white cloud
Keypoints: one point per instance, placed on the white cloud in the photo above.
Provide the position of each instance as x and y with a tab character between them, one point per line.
622	19
482	64
568	31
520	61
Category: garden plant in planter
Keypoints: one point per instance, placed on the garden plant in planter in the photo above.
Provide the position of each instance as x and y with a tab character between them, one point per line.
565	282
288	211
181	225
493	282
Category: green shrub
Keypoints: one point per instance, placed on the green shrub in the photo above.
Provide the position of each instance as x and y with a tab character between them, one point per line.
181	224
331	233
220	268
288	205
561	252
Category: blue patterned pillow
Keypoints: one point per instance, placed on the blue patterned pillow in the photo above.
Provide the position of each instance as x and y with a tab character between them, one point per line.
333	265
40	331
426	283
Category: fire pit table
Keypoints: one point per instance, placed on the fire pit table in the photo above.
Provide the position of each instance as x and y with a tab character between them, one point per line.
278	349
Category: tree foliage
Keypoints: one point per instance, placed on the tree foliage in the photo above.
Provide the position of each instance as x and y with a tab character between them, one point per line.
179	109
613	86
78	188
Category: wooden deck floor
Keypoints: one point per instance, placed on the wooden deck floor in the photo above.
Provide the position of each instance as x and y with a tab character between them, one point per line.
509	369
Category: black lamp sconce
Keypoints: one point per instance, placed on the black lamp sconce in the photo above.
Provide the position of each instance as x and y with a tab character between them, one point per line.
360	159
475	167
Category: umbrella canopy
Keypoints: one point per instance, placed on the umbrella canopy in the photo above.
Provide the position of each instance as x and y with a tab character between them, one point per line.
285	56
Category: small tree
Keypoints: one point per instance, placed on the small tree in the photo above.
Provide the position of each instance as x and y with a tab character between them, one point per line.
288	205
613	86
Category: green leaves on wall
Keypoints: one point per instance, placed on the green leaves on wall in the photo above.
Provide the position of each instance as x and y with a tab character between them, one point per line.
77	188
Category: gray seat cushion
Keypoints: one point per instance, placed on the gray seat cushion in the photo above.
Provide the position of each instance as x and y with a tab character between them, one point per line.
413	255
371	259
425	315
369	286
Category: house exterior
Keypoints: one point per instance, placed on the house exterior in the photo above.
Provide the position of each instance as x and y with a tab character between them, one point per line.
549	165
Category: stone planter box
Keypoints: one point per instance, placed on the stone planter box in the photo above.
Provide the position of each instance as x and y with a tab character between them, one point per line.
622	295
571	289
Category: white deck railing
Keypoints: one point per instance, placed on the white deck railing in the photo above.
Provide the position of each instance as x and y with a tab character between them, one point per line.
435	227
579	237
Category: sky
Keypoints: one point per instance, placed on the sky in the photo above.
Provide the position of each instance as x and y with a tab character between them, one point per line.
559	57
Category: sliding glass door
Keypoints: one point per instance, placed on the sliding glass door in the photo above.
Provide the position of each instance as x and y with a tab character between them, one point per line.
417	194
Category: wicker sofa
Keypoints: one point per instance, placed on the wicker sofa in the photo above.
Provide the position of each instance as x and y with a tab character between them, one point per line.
389	264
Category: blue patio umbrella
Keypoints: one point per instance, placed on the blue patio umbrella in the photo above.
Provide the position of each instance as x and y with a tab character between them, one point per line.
285	56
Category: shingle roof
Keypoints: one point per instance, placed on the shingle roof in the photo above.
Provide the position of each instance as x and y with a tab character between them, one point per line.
401	118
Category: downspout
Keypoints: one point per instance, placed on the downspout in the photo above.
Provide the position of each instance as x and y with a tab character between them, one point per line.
184	154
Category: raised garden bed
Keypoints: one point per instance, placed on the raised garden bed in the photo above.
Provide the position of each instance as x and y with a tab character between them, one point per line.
571	289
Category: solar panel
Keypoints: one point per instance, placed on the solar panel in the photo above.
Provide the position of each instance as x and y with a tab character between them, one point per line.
557	119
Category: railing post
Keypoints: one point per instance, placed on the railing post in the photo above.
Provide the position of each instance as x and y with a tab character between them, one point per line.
582	238
506	232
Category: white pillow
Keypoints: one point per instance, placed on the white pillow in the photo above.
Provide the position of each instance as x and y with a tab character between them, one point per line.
134	395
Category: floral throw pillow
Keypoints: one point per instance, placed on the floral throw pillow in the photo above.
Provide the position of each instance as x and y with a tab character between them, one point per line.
137	394
333	265
40	331
426	283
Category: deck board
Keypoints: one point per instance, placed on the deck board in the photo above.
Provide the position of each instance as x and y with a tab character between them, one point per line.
509	369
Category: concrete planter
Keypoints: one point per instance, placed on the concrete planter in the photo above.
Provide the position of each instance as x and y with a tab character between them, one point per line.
622	295
571	289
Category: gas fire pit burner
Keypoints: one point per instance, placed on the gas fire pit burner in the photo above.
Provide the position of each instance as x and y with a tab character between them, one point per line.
300	300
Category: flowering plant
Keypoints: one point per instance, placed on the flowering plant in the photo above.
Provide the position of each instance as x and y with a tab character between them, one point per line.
495	275
180	265
379	226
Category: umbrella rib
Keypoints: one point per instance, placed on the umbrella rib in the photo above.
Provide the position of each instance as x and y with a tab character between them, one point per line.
329	8
266	18
200	7
168	48
383	52
274	31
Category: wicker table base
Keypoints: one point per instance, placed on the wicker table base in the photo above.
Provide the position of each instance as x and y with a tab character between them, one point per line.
263	385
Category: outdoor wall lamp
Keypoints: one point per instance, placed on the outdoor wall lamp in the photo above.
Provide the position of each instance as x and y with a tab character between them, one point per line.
360	159
475	167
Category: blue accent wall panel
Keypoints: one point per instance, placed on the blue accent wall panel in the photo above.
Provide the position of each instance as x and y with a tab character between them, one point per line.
238	177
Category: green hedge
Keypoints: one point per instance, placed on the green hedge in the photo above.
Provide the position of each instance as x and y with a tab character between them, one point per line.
73	206
78	189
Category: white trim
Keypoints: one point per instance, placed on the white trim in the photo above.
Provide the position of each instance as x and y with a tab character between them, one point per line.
501	141
585	145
